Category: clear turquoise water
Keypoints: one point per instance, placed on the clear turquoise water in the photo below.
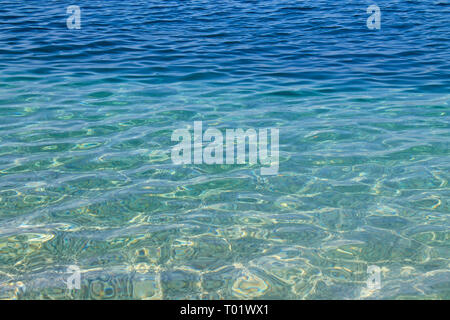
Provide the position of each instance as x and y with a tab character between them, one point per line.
86	177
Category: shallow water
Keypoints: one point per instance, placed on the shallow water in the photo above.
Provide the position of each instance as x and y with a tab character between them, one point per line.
86	177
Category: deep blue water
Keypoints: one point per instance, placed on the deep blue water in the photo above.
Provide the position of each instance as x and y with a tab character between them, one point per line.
86	179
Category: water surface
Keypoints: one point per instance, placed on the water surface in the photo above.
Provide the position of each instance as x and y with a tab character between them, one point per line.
86	177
